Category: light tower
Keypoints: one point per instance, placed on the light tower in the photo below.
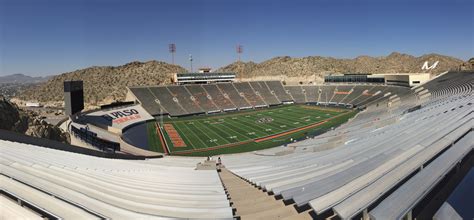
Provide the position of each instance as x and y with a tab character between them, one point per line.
239	49
172	49
191	61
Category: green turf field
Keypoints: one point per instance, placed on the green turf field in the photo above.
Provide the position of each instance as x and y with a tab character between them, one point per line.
242	131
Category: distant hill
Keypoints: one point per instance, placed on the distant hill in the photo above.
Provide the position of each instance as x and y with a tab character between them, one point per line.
104	84
21	79
320	66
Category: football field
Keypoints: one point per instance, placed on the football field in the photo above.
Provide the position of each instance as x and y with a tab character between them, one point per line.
242	131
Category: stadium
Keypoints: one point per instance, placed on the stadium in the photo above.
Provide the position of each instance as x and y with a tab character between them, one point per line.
213	147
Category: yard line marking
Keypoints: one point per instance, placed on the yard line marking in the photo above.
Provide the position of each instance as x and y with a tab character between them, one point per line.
184	136
193	133
209	138
261	139
216	134
224	128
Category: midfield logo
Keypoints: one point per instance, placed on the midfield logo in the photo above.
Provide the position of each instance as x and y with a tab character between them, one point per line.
426	67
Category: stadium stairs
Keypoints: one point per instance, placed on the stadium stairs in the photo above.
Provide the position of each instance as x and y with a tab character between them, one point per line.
250	202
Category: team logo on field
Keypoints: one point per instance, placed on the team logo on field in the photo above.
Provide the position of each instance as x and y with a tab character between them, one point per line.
265	120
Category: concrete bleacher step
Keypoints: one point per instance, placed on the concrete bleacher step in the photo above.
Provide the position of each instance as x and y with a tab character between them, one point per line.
257	200
253	203
278	213
300	216
258	207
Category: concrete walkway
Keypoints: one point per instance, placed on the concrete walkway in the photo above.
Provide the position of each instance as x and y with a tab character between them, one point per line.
252	203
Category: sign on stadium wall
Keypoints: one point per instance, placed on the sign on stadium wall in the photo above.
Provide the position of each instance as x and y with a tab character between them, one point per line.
118	118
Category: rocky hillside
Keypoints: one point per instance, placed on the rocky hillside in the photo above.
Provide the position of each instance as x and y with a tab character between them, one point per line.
320	66
105	84
14	119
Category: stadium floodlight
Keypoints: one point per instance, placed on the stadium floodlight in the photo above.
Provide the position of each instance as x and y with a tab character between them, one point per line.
240	50
172	49
191	61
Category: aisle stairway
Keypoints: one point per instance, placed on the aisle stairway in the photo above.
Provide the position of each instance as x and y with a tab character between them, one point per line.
250	202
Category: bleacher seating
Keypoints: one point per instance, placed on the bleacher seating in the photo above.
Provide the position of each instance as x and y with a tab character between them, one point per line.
210	98
312	93
149	101
246	90
168	101
277	88
297	93
229	91
347	170
186	100
222	100
379	164
262	89
326	93
340	93
202	98
87	187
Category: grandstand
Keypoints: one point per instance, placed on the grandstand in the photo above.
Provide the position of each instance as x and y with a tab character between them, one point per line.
381	164
213	98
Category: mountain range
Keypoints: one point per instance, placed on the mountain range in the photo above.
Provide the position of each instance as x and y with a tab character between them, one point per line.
105	84
20	78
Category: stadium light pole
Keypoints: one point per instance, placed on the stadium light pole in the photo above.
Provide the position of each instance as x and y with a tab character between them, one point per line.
191	61
240	50
172	49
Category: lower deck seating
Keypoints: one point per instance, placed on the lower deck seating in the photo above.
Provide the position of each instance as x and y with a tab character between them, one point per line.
297	93
312	93
185	99
202	98
341	93
262	89
195	99
221	100
148	100
232	94
246	91
277	88
168	101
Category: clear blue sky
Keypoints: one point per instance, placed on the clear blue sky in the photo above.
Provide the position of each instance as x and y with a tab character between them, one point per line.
43	37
